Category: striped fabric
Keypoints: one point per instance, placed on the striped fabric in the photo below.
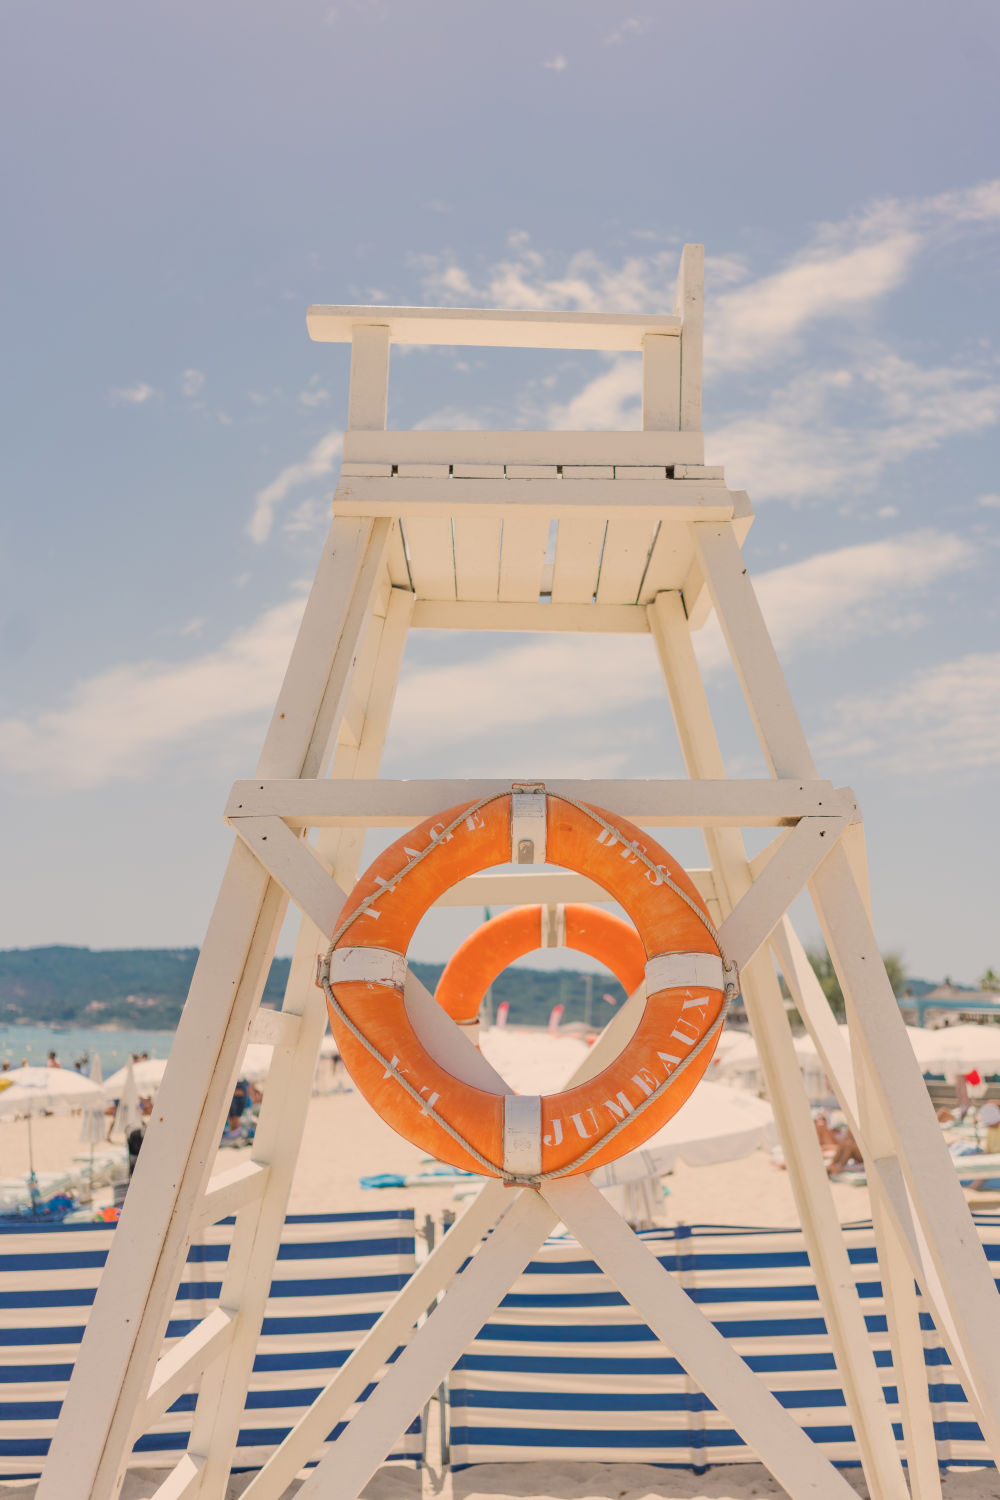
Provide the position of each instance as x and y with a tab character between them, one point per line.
336	1273
566	1369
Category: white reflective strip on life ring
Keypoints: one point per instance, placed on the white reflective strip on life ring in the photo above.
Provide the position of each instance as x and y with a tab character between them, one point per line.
522	1134
368	966
527	828
684	971
553	926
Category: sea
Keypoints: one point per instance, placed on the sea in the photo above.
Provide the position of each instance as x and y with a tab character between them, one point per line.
32	1044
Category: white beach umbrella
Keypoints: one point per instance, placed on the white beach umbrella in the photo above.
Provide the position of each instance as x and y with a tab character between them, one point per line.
128	1114
715	1124
36	1091
951	1050
94	1128
147	1075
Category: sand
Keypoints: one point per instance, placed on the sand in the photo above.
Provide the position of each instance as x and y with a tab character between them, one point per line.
344	1140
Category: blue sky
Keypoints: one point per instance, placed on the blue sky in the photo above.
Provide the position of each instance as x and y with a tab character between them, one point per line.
181	182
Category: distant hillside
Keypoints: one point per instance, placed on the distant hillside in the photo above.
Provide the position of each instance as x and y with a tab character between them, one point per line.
146	987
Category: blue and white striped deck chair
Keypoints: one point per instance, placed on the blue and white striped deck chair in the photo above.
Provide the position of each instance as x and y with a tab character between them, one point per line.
336	1274
566	1369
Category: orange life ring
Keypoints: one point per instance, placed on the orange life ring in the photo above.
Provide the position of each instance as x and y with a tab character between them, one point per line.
474	965
516	1137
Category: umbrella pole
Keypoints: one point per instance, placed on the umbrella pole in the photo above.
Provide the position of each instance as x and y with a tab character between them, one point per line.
32	1179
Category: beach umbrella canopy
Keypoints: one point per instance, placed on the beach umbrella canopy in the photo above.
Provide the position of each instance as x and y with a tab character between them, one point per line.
35	1091
951	1050
128	1114
94	1127
147	1076
716	1124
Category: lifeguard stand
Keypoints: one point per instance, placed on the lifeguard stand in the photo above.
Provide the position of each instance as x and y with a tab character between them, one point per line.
449	530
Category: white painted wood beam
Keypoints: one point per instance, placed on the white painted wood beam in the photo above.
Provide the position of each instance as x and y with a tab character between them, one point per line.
230	1191
756	914
274	1028
125	1330
368	400
879	1037
537	618
783	1078
779	1442
652	804
543	887
490	327
432	1351
376	453
753	654
690	307
677	499
661	383
178	1369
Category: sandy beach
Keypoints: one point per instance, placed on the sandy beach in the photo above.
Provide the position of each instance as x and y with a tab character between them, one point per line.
752	1191
327	1179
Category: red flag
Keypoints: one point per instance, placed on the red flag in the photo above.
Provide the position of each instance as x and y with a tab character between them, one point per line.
609	998
555	1017
973	1078
503	1010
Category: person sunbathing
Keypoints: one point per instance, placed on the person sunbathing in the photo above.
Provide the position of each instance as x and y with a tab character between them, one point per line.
846	1155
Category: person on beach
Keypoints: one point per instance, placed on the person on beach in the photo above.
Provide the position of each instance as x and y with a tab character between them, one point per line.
135	1140
989	1118
846	1155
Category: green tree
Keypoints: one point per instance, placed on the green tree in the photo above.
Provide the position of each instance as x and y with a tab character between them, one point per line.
990	980
829	983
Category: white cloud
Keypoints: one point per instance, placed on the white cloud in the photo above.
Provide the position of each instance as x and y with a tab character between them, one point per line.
557	64
837	597
307	518
133	395
989	502
120	723
831	429
826	600
319	461
946	719
313	397
192	382
763	319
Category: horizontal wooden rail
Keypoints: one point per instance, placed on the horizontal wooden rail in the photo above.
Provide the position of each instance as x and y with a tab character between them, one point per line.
178	1369
683	499
488	327
345	803
564	449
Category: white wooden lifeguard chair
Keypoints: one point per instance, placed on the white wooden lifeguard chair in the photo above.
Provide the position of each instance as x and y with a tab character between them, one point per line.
450	530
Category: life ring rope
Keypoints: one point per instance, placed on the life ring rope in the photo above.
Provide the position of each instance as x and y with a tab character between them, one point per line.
730	990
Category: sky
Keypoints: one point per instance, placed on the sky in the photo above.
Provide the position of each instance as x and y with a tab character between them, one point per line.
181	182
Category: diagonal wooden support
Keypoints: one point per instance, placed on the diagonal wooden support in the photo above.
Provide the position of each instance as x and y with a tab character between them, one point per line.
729	1383
125	1331
765	1008
893	1077
433	1351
